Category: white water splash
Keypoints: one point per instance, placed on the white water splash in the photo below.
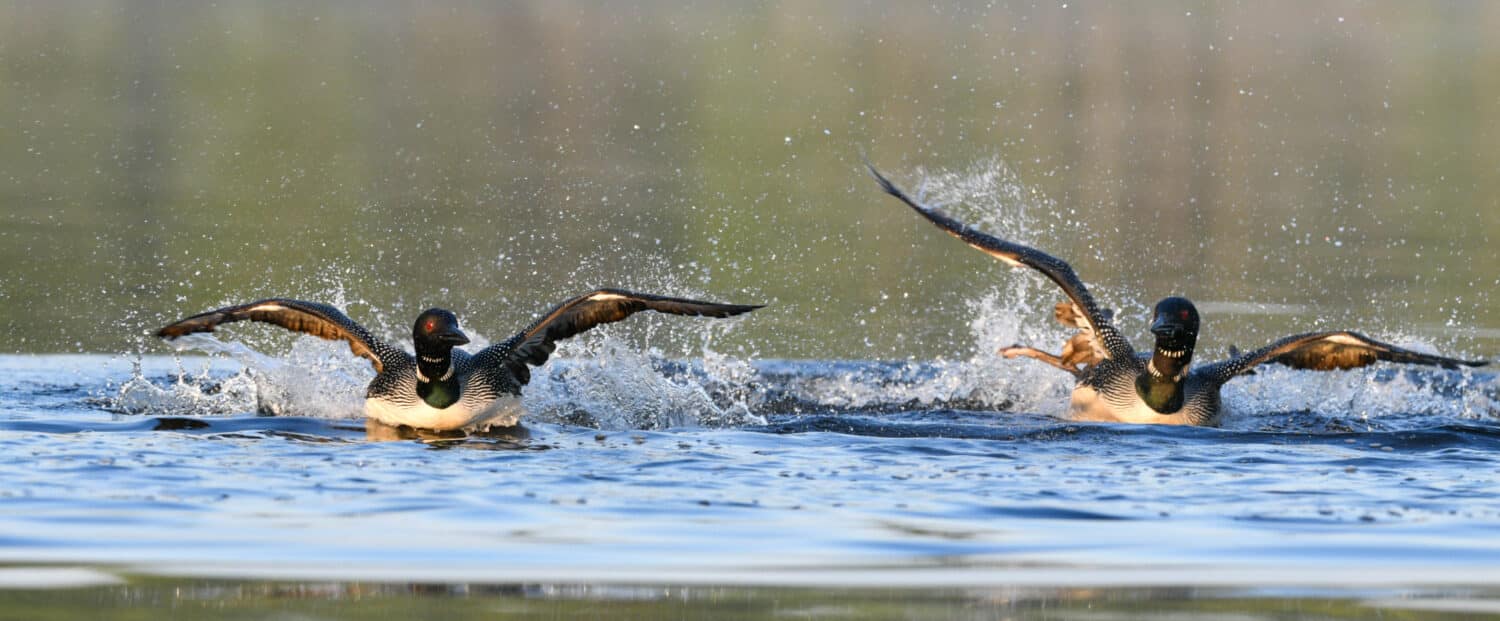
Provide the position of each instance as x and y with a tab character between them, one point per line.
1016	310
315	378
603	382
984	379
989	195
1380	397
194	392
614	386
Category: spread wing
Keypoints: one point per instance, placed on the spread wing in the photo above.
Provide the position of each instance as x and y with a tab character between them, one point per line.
320	320
1108	343
539	340
1324	351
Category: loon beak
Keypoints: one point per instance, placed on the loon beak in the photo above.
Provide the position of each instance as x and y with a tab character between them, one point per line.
1164	328
451	336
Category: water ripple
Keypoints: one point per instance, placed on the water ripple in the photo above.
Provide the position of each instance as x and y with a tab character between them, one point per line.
829	486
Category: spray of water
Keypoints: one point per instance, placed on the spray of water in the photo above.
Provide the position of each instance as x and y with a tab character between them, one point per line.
616	386
596	380
1375	398
314	378
195	391
605	380
1017	311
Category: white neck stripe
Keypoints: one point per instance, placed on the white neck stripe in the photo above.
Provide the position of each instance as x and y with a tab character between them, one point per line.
1151	367
446	375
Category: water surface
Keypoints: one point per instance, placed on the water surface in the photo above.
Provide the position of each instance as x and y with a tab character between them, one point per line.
809	489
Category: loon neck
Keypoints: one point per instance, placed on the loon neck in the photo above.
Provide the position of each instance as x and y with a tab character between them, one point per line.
1160	385
1169	363
435	382
434	365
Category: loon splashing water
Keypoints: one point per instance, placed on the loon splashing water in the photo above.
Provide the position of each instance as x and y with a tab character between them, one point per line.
1114	383
441	387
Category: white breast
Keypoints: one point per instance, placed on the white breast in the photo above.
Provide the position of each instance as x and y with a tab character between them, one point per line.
505	411
1089	406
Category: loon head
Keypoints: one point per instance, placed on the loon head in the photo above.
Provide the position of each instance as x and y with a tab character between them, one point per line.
436	332
1175	324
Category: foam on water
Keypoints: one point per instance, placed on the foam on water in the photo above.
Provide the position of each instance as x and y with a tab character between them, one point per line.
982	380
1368	399
617	387
194	392
314	378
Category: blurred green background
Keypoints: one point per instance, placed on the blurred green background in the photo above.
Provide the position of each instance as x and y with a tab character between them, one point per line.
1337	163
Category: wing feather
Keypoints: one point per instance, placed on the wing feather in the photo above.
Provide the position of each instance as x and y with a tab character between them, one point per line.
534	344
1325	351
320	320
1110	344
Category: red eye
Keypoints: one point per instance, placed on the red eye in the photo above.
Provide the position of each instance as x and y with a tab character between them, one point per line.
1183	314
430	325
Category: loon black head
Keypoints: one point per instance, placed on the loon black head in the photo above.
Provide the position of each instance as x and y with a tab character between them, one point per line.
1175	324
437	328
435	335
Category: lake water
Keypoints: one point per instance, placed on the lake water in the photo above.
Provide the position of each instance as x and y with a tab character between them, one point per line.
822	478
853	450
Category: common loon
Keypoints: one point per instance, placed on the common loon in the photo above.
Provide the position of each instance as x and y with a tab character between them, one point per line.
1114	383
444	388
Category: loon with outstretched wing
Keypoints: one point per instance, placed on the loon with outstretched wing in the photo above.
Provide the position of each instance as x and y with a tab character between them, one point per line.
442	387
1114	383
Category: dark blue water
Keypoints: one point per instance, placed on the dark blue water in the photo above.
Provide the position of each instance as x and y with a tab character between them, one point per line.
793	473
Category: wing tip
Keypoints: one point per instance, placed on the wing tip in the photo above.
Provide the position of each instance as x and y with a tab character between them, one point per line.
179	329
201	322
604	293
721	311
885	184
892	189
740	309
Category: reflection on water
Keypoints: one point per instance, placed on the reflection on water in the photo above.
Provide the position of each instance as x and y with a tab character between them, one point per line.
495	437
208	599
162	159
